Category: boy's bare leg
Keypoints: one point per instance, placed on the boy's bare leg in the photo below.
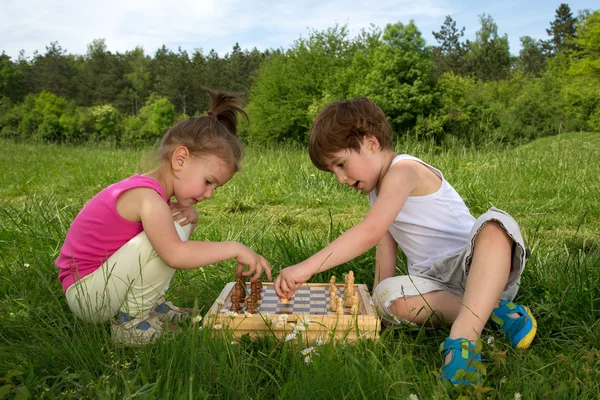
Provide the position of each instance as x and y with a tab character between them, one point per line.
490	268
437	308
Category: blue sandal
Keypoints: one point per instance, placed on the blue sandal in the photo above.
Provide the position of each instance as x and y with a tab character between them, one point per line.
519	331
465	365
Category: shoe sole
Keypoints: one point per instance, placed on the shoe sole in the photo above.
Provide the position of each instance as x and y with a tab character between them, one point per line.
530	328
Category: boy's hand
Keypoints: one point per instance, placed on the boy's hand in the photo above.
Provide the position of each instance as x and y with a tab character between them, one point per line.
290	279
184	215
256	263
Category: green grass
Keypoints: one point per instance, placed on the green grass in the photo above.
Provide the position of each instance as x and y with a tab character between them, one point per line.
286	209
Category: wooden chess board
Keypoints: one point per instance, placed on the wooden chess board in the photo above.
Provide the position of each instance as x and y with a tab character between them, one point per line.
310	303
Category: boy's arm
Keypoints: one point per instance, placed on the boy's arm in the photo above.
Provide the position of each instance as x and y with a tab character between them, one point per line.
385	258
396	186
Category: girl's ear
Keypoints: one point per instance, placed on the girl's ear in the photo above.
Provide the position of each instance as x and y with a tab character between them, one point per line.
180	155
371	143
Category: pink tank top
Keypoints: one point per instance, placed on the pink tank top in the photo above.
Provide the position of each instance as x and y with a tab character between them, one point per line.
98	231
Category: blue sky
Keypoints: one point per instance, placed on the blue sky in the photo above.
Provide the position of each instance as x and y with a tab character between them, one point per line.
219	24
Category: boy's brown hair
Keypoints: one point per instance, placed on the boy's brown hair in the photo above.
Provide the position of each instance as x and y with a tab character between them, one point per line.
342	125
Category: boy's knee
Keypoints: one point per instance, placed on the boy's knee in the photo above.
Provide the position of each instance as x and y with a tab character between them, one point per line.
406	308
494	231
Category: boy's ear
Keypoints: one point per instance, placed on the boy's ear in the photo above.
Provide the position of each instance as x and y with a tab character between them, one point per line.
180	155
371	143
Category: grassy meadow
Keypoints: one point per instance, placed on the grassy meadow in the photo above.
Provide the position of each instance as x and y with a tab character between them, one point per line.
286	209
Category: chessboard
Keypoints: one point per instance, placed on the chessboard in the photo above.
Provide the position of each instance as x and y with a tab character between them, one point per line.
311	302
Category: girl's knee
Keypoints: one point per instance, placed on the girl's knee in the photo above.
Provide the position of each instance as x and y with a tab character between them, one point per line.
184	232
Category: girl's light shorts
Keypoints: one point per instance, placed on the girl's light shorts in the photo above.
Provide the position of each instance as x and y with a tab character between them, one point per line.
449	272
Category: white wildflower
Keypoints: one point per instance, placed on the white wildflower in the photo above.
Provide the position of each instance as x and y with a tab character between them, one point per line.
490	341
307	359
247	314
293	325
290	336
232	314
321	342
219	302
26	265
197	319
300	328
217	326
517	396
283	317
307	321
279	325
413	397
307	351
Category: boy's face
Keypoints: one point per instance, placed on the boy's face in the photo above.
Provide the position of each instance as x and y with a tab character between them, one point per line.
359	170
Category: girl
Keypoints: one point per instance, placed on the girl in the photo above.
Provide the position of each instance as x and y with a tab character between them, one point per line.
123	247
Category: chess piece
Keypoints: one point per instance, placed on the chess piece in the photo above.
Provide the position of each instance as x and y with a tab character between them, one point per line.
235	301
333	301
340	306
354	309
349	289
251	305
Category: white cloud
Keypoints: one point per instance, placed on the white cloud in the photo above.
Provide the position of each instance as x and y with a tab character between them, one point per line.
33	24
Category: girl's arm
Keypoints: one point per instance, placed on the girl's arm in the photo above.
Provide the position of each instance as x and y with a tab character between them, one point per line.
397	185
157	219
385	258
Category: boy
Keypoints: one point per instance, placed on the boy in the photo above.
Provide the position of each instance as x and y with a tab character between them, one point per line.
459	268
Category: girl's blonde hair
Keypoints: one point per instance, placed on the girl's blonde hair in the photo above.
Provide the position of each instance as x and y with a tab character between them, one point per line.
214	133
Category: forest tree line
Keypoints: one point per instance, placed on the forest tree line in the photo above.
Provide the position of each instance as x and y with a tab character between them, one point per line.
454	91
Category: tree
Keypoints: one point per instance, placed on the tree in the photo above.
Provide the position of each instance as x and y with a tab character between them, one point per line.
449	55
532	59
139	76
174	77
562	29
401	81
102	75
11	79
55	72
489	56
587	60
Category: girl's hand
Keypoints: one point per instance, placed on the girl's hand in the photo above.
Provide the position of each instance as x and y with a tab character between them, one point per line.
255	263
184	215
290	279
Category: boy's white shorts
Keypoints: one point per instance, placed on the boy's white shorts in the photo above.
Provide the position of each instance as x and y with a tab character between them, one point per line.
449	273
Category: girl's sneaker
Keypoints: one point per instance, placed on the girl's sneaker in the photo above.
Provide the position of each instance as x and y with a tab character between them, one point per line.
168	312
129	331
465	363
520	331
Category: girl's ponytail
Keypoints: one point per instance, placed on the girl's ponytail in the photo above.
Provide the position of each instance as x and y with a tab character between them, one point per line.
224	107
214	133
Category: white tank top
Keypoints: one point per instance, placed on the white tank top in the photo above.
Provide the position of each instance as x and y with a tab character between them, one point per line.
430	226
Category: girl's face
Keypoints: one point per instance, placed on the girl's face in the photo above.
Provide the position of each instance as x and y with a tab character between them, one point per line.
359	170
198	178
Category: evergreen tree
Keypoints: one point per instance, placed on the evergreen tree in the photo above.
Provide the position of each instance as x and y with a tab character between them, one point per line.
55	71
449	55
561	31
